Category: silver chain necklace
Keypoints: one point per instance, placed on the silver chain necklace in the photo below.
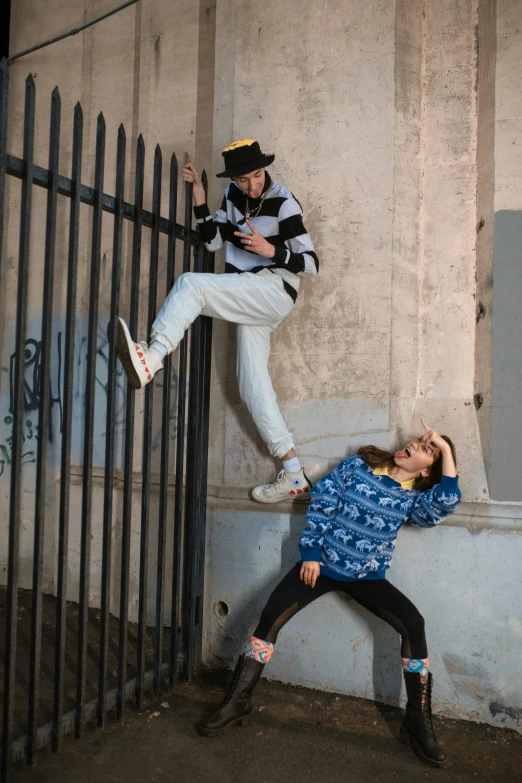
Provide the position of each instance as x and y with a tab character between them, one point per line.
248	213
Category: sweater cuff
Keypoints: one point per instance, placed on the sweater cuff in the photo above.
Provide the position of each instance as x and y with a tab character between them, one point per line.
292	262
280	256
449	483
310	553
201	212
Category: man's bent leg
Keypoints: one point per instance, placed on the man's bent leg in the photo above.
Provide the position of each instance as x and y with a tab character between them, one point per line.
248	298
242	299
257	393
180	309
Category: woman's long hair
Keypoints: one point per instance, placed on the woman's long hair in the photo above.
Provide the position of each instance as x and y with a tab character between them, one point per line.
379	458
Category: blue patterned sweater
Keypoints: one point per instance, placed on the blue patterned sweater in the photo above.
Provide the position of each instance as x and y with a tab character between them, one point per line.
354	517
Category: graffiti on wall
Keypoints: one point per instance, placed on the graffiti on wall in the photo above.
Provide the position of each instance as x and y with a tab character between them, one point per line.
33	374
32	381
29	433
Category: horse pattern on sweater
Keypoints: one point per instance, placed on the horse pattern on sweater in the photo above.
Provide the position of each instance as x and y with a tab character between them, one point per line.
355	515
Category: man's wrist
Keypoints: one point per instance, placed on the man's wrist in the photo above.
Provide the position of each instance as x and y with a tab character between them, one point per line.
279	255
201	211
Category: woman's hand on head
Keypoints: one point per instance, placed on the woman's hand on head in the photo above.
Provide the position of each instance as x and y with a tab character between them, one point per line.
310	571
433	438
436	441
255	242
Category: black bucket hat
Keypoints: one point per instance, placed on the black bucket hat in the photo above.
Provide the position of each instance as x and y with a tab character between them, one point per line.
242	157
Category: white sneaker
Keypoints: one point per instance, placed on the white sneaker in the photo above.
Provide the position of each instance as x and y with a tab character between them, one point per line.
287	486
140	362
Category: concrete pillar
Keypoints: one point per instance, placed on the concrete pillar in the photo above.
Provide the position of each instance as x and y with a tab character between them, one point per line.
505	452
434	328
486	54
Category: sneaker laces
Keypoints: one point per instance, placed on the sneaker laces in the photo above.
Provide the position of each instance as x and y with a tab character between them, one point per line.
268	488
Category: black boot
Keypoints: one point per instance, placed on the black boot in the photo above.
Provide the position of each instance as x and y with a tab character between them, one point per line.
417	727
236	707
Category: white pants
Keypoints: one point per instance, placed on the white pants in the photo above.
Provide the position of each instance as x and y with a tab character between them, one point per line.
257	303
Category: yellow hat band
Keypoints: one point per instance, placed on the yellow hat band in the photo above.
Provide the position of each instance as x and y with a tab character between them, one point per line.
236	144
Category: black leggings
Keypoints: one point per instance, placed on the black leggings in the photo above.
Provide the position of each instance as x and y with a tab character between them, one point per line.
377	595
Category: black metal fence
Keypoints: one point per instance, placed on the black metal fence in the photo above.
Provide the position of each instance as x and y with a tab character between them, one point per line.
113	658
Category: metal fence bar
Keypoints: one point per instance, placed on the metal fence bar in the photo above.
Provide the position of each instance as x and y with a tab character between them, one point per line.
165	442
200	519
189	608
43	428
129	434
17	442
109	430
90	386
65	474
147	428
196	486
175	641
15	167
4	104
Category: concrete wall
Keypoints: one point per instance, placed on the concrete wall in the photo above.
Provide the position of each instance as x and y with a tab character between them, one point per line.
375	132
328	116
383	117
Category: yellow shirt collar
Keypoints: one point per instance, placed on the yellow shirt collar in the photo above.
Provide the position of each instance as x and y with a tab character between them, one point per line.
384	472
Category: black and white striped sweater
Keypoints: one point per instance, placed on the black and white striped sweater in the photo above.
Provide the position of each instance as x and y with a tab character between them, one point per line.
280	222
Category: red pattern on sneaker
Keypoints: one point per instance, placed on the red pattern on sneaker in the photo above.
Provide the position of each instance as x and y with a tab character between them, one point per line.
143	361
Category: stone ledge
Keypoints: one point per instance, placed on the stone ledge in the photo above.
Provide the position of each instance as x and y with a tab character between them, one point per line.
221	496
474	516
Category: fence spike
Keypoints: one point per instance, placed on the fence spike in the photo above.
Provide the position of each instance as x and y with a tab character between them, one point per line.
9	694
65	461
128	457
